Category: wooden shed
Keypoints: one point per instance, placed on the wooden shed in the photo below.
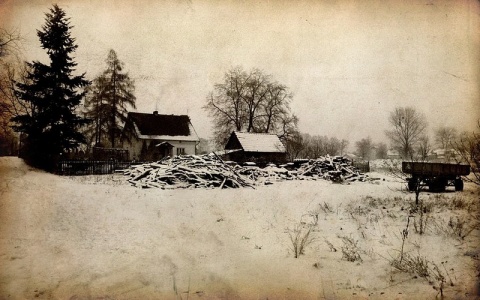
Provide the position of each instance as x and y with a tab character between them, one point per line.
260	148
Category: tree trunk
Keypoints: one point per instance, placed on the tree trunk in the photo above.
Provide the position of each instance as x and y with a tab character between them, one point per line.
112	125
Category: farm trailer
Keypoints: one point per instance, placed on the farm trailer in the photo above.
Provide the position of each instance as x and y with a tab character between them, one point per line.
435	175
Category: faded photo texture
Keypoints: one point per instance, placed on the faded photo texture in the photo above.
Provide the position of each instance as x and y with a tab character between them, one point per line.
347	66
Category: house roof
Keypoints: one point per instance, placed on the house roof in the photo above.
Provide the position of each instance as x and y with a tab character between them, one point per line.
441	151
393	152
162	127
255	142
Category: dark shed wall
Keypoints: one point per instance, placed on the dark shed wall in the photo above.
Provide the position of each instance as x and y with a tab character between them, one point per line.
257	157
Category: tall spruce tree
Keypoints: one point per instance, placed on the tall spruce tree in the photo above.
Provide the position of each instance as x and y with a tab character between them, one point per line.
108	99
52	127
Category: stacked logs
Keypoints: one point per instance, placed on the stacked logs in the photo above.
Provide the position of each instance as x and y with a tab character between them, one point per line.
186	171
336	169
266	175
209	171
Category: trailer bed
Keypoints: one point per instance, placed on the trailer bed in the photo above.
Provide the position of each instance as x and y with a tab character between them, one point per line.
435	175
435	169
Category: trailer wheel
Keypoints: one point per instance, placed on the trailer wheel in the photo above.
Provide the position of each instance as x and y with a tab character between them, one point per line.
458	184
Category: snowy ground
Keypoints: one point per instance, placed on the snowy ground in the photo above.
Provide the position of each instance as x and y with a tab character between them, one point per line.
99	237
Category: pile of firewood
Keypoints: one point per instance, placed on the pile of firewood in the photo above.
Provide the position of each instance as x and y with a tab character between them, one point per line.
209	171
186	171
336	169
266	175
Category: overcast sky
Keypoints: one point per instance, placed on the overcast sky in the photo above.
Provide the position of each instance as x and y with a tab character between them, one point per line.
347	63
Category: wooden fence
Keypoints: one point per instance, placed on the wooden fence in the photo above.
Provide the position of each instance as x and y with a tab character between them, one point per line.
90	167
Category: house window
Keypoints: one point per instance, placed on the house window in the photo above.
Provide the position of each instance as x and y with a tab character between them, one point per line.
180	151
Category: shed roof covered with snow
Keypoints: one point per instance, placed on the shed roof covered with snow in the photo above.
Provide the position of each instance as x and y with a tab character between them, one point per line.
255	142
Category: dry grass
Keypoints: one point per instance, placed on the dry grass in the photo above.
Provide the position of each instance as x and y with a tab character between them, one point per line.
300	237
350	250
369	204
421	220
441	202
412	264
315	213
326	208
455	226
330	246
435	214
422	267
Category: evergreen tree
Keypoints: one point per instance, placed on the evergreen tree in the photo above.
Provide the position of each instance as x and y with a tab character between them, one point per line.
51	127
97	111
108	100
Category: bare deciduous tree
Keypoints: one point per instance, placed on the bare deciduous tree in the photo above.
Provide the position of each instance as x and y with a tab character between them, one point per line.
289	134
275	107
294	145
256	90
333	146
423	147
9	42
467	149
445	136
343	146
225	105
382	150
251	102
11	70
364	148
316	146
408	126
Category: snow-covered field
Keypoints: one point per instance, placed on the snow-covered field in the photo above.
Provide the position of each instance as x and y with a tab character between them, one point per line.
98	237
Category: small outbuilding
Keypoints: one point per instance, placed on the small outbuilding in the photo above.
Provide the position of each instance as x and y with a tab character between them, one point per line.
260	148
154	136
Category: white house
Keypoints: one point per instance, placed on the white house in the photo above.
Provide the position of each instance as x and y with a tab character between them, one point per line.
154	136
444	155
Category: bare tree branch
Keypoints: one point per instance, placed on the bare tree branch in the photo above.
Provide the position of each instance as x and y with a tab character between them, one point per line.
408	126
249	101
